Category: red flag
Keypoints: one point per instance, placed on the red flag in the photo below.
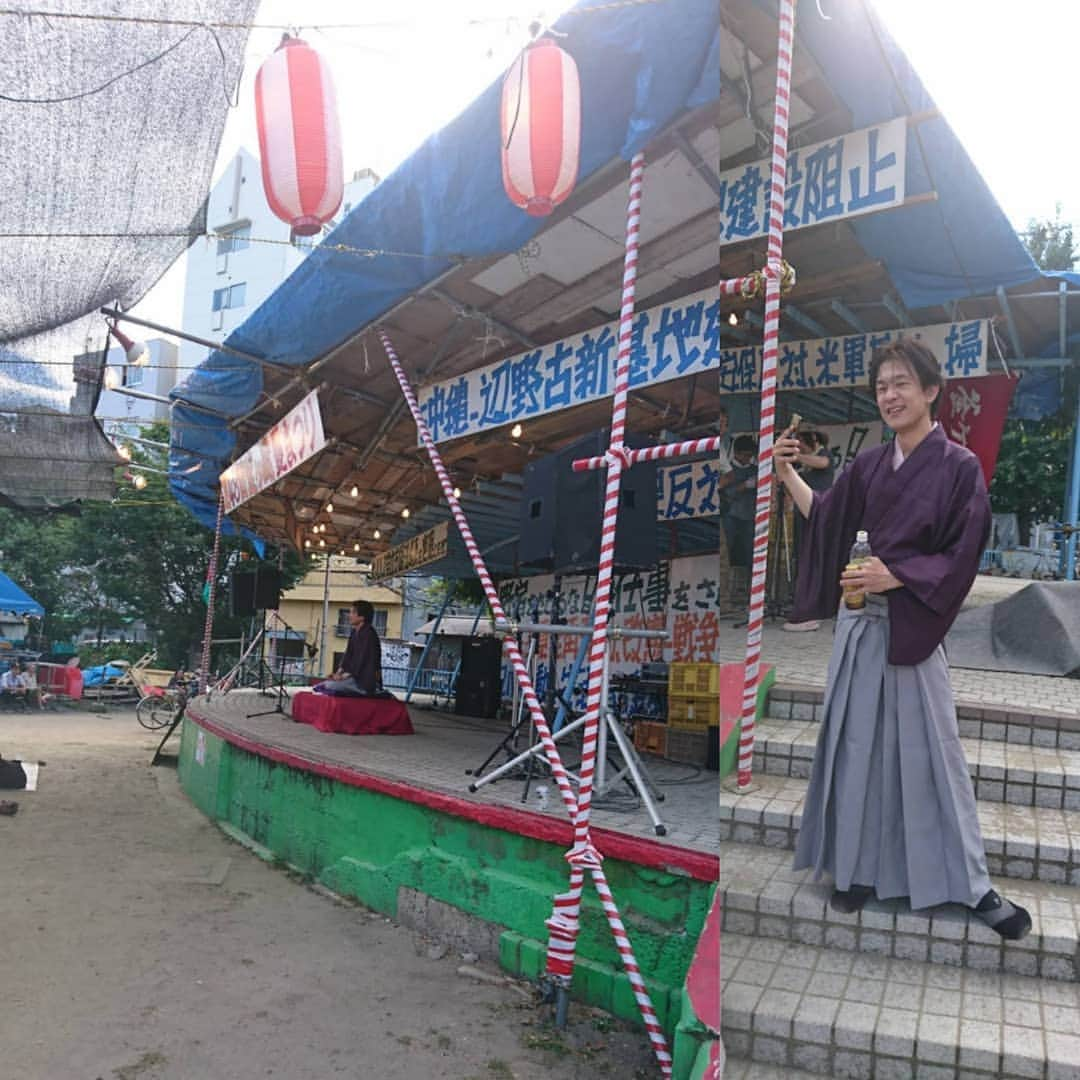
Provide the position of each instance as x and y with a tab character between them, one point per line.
973	414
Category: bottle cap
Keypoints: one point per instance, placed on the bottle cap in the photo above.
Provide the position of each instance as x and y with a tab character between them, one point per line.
861	536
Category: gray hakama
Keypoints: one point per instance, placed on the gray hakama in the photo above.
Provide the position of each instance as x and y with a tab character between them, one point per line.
890	802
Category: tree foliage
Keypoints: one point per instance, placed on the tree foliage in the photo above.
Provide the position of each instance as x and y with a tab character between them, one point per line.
1051	242
142	556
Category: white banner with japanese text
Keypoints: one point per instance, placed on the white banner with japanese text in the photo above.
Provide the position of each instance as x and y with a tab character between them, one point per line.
672	341
290	442
857	173
685	597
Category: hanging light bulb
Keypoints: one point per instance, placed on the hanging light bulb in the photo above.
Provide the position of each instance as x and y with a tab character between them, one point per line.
139	481
124	451
457	493
307	543
354	492
405	512
515	431
356	547
377	534
733	319
112	379
313	555
329	508
136	353
322	542
342	551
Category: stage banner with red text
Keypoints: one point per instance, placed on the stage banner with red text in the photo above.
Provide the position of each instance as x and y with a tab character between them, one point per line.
289	443
973	413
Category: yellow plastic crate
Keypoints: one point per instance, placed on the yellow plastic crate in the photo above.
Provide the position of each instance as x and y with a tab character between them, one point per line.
697	713
693	680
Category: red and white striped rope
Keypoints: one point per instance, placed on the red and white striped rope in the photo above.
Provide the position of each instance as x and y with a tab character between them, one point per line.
746	287
774	273
654	453
564	921
584	856
211	590
510	647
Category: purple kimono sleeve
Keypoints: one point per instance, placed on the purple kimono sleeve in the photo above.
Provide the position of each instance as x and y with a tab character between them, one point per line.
835	516
942	580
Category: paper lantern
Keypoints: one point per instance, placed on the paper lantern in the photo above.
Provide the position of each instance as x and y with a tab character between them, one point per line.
541	128
299	137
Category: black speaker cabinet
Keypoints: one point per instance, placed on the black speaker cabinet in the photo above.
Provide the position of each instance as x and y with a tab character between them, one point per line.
562	511
242	594
268	588
479	682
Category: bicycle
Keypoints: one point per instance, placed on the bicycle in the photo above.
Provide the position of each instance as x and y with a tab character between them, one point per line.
158	707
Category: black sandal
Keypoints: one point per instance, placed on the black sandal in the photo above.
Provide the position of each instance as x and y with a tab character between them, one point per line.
849	901
9	809
1009	920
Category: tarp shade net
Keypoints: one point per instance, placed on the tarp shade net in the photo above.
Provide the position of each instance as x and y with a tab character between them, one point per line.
14	599
100	193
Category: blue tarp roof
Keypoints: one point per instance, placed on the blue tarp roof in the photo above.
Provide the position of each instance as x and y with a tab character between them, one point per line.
12	598
640	68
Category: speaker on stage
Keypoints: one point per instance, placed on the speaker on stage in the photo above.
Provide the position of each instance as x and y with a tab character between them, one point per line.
242	593
562	511
479	682
268	588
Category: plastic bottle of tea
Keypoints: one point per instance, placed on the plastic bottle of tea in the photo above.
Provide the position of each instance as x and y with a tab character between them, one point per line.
854	599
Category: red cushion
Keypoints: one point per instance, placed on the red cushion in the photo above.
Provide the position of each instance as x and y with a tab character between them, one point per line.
350	715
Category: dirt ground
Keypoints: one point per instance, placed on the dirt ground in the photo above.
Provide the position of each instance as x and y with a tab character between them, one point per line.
140	943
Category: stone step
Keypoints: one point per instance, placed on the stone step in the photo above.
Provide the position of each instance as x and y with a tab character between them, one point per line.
741	1069
763	896
1024	842
1001	771
835	1013
1030	727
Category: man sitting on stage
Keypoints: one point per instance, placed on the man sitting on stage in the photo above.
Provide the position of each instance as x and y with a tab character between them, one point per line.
361	666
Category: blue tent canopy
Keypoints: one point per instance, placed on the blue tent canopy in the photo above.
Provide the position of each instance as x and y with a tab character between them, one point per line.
12	598
642	68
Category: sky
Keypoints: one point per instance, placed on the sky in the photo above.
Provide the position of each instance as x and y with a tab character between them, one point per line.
1000	71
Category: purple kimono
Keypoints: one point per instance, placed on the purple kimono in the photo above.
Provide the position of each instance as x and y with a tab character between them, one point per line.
928	522
890	802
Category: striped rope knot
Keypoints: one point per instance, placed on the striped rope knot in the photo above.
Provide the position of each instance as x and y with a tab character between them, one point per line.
781	270
752	285
620	454
585	856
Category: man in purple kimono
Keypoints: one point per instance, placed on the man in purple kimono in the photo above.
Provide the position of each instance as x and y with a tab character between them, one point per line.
890	807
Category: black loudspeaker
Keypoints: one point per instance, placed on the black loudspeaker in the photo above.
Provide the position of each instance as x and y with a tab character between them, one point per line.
242	593
479	682
268	588
562	511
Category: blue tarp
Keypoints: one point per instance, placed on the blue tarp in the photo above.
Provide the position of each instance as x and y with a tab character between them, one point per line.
99	676
12	598
640	68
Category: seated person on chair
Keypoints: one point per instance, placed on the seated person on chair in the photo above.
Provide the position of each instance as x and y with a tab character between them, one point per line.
361	666
19	686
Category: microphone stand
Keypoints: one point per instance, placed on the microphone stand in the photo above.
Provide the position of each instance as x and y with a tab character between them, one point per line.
282	696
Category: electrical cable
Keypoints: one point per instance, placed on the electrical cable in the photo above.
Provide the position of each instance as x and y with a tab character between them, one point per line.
137	68
476	20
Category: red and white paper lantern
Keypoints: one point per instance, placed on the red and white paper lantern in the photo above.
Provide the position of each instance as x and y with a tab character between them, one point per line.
299	137
541	128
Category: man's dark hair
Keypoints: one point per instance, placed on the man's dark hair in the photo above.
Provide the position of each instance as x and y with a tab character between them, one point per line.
744	444
365	610
918	357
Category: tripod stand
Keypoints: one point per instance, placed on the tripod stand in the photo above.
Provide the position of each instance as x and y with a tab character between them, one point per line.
279	690
632	772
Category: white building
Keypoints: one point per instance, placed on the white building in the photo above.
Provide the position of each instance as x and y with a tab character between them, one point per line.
124	413
228	278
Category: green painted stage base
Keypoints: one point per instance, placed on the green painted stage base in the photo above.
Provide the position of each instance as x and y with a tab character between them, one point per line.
371	846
